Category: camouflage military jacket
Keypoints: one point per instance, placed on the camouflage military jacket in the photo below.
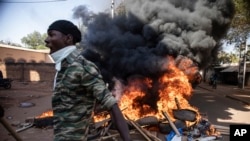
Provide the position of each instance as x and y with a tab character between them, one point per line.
78	85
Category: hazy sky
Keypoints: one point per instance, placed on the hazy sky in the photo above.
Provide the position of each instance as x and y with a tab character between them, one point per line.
19	19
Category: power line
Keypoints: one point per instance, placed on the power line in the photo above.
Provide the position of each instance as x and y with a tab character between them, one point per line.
43	1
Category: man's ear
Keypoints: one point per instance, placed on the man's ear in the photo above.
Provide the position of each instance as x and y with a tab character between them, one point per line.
69	39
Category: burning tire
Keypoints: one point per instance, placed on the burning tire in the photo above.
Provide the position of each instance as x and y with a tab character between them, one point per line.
147	121
43	122
185	115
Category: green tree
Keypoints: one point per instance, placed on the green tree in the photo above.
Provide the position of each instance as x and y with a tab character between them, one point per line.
224	58
240	26
35	40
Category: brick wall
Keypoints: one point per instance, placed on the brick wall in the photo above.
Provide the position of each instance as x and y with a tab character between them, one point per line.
28	71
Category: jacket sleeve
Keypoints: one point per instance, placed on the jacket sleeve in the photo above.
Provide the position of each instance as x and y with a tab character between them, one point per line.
93	81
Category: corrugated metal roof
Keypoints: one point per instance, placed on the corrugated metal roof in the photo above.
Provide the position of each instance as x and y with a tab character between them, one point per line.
231	69
235	69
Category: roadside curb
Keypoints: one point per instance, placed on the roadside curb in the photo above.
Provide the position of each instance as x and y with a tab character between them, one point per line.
238	99
244	101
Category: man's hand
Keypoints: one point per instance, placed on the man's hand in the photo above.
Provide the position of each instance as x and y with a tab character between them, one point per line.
120	123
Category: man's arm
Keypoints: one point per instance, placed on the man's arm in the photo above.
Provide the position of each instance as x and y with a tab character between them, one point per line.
120	122
94	83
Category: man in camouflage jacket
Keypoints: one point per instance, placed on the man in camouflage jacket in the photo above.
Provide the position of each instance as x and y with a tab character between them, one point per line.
78	87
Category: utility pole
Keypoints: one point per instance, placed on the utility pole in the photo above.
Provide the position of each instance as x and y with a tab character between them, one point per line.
244	66
112	8
239	70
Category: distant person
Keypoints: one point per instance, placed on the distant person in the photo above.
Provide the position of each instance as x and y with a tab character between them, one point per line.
211	79
78	87
214	80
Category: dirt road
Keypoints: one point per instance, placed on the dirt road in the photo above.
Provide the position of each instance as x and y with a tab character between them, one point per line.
23	101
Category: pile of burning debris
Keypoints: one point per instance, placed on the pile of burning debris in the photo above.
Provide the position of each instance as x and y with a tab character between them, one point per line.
186	125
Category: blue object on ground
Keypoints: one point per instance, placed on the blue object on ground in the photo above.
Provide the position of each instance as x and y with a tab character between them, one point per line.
170	136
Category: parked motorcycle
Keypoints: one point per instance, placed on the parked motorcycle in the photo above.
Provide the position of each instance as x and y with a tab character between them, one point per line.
6	83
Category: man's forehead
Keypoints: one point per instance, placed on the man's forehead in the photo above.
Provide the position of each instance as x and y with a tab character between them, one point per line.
54	32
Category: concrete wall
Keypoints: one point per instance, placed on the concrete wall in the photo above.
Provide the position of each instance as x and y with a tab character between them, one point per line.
26	72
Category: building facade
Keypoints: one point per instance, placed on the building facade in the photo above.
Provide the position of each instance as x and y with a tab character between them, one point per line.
22	64
12	54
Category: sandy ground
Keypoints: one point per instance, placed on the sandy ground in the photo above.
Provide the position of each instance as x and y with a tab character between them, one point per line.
23	101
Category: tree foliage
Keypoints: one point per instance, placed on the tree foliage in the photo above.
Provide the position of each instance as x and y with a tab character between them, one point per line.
240	26
224	58
35	40
239	31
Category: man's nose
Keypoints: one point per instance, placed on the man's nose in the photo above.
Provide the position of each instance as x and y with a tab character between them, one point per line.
46	40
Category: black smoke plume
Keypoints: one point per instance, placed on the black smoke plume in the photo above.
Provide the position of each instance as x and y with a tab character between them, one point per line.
139	42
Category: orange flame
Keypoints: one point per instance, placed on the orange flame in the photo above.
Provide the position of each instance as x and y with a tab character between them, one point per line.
46	114
140	95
